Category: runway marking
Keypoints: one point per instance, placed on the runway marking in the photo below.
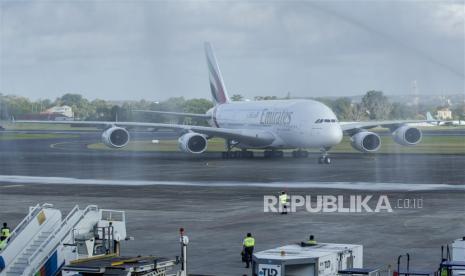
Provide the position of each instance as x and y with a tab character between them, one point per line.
362	186
56	144
60	144
11	186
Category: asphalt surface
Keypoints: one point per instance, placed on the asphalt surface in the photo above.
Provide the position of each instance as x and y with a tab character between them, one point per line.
71	158
224	205
217	219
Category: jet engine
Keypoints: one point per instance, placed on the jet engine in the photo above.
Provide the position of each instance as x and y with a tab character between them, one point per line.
366	141
407	136
115	137
193	143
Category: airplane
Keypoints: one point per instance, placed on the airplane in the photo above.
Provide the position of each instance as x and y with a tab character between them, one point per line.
438	122
271	125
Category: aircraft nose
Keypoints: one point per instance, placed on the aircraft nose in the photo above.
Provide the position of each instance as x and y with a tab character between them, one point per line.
334	135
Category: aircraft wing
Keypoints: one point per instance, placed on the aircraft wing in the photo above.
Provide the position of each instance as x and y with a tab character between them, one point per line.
248	136
351	127
177	114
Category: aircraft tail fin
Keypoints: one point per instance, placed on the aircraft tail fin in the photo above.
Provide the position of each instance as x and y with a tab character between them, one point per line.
218	89
430	117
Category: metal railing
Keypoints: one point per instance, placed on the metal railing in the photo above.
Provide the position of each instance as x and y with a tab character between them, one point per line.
32	214
55	234
34	211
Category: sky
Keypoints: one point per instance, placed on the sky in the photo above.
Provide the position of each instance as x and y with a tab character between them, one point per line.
142	49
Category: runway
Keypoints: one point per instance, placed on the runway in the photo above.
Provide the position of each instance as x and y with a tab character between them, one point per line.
218	201
71	158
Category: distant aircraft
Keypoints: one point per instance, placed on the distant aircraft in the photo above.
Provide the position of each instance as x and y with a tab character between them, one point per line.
438	122
271	125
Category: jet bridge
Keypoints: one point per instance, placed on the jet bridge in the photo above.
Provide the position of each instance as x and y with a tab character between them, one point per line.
43	240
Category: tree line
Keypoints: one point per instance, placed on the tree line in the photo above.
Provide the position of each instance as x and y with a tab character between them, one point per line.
374	105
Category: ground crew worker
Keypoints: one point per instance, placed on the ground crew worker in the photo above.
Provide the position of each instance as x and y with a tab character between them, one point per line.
248	246
5	231
311	242
444	271
4	234
2	243
283	200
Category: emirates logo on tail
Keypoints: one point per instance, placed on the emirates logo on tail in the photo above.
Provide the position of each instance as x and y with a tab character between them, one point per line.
218	89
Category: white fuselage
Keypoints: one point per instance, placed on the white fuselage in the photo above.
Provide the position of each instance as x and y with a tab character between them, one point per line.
293	123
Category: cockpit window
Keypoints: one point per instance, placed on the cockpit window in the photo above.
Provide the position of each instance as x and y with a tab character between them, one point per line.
333	121
327	121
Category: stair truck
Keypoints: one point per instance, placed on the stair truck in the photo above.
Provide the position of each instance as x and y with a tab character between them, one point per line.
86	241
44	241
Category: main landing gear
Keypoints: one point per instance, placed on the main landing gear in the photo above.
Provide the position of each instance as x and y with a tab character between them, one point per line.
273	154
229	154
237	154
300	154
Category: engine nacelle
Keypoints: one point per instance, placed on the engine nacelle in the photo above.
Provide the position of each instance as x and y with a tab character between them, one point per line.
407	136
366	141
115	137
193	143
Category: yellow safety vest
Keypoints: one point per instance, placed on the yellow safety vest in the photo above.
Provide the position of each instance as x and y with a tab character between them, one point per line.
283	199
249	242
2	244
6	232
444	272
312	242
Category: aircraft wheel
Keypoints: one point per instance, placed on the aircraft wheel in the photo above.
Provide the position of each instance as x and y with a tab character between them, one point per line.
327	160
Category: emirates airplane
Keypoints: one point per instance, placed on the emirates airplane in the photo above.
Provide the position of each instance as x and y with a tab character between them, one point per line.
271	125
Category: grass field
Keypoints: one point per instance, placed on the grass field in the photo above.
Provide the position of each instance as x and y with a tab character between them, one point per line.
429	144
23	136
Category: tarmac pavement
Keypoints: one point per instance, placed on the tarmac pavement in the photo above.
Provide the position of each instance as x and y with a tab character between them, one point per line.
219	201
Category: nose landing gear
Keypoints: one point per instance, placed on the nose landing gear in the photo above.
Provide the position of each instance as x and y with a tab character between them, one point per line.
324	158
